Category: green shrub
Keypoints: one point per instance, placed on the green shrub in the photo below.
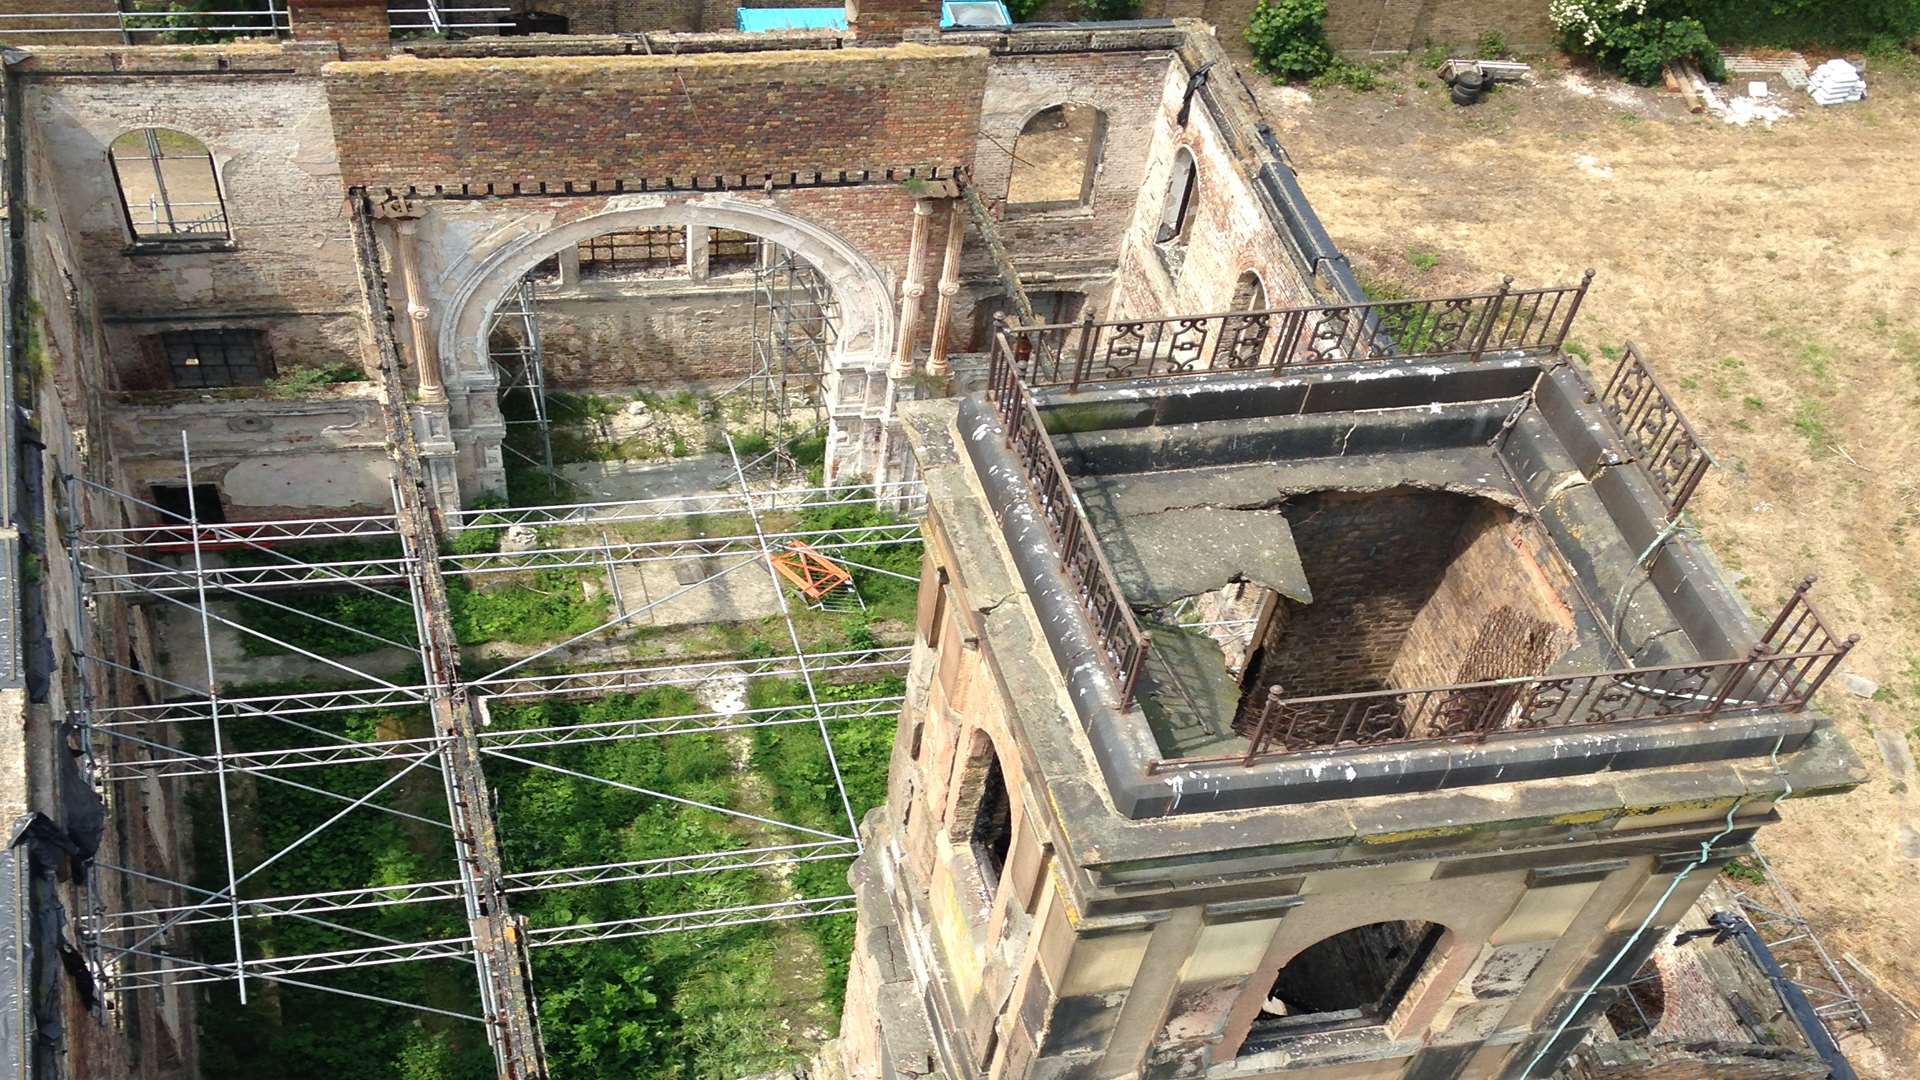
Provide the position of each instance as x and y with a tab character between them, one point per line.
1635	37
1338	72
1107	10
1287	38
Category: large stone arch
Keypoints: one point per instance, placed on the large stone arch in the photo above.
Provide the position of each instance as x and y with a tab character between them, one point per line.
480	258
476	281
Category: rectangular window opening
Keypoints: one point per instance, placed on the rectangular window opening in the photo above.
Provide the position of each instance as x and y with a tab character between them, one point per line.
208	358
655	251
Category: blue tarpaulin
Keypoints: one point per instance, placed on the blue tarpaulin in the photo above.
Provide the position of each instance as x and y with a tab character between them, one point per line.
761	20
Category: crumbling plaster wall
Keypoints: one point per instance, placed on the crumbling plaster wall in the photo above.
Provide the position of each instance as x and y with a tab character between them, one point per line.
1232	231
323	454
654	333
260	109
61	360
1074	248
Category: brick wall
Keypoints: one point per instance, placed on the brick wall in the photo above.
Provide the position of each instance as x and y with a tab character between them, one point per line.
360	26
1232	232
1373	561
1495	566
102	15
1374	26
1069	243
675	332
653	118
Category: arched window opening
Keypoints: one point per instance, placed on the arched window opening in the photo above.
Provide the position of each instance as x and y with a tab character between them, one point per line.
1249	293
1176	211
1642	1004
992	832
168	187
1353	979
1055	158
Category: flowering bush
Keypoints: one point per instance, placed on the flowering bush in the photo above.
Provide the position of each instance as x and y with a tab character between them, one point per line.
1635	37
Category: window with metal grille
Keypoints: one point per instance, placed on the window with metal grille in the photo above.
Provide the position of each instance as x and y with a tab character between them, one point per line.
730	249
657	250
168	187
200	358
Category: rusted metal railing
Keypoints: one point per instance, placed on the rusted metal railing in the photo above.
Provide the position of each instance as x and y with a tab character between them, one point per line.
1796	654
1653	429
1123	645
1531	321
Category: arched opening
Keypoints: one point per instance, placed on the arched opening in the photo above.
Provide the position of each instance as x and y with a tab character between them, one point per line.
1641	1005
1055	158
983	814
1176	211
169	190
628	359
480	287
1356	978
1249	293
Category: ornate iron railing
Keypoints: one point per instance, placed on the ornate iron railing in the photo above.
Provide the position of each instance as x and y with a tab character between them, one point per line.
1531	321
1123	645
1796	654
1652	427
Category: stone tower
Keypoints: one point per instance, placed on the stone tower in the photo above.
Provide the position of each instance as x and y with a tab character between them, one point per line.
1331	721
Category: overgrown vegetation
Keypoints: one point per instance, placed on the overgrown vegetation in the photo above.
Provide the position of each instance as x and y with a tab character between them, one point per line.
301	381
1638	37
1289	44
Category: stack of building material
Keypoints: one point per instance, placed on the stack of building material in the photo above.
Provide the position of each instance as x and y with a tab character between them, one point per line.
1836	82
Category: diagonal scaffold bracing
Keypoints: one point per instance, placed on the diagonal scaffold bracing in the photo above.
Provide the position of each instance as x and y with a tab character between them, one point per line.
150	930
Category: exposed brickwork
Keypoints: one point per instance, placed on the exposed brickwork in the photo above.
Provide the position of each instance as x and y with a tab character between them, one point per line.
360	26
629	117
102	16
1373	26
887	20
1232	232
676	333
1495	566
1373	561
1047	245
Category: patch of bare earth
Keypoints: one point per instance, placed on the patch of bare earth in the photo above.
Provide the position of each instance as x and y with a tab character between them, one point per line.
1773	278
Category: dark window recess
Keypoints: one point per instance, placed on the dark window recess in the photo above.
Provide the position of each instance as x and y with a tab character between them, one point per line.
200	358
176	509
993	824
729	250
1176	215
1352	979
655	251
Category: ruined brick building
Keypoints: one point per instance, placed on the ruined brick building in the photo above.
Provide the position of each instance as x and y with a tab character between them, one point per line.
1314	689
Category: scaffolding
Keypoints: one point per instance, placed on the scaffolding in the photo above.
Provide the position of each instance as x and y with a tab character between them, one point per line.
1772	912
187	729
513	346
795	327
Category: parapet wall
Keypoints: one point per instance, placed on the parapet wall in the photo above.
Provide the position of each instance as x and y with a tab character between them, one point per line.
653	121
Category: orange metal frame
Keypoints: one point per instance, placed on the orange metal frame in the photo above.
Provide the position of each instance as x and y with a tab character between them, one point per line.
809	571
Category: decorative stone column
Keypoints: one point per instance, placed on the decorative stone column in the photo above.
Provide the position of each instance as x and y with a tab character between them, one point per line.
431	415
910	293
405	215
901	370
937	363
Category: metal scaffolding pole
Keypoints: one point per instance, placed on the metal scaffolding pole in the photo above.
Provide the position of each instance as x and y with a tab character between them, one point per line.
522	369
177	565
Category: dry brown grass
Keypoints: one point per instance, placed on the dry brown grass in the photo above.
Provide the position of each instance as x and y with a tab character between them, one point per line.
1773	278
